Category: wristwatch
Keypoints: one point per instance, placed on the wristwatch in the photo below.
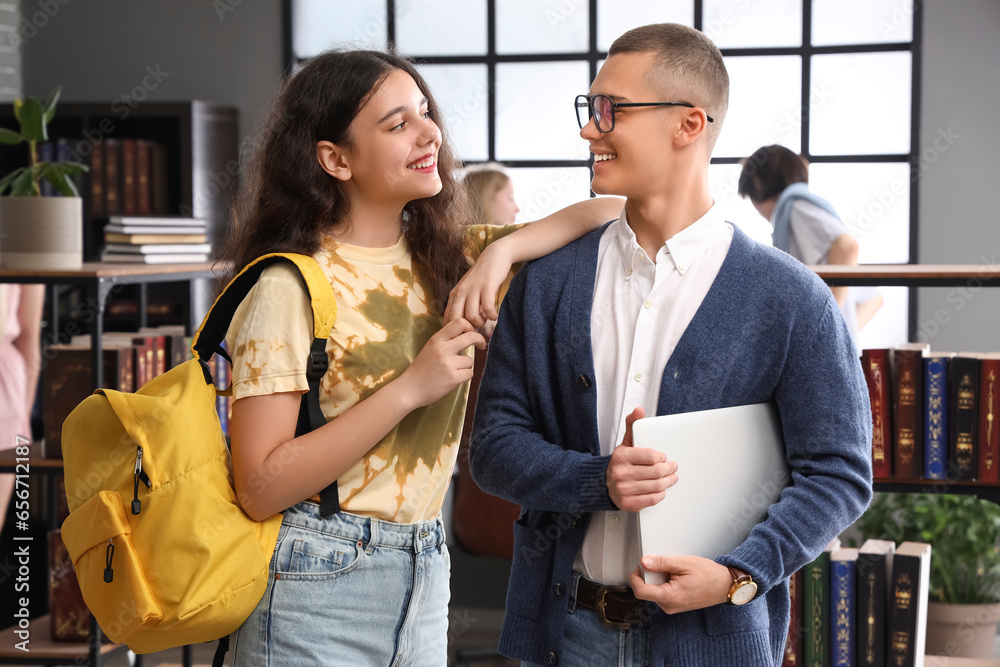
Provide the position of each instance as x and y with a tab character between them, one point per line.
743	588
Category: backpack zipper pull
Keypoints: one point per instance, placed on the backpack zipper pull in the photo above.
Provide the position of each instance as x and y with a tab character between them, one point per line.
109	574
136	503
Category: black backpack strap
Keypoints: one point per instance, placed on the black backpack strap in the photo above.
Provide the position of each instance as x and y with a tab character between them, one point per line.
208	339
220	652
311	418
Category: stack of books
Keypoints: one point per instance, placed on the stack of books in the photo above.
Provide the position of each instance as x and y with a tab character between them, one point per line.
155	240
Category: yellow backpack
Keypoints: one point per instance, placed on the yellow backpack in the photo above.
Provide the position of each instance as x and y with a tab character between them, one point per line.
164	554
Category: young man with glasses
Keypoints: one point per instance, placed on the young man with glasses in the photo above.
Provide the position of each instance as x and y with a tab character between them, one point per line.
668	309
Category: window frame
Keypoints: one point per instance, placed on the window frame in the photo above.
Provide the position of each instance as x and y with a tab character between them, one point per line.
593	56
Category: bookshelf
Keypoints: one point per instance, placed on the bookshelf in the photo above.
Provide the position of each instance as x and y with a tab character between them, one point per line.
200	143
919	275
99	282
193	165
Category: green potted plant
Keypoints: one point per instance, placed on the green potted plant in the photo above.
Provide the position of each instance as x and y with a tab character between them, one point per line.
964	534
39	232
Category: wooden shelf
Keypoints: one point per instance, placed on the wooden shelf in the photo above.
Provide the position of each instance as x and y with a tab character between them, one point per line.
986	492
36	462
944	661
44	651
909	275
113	271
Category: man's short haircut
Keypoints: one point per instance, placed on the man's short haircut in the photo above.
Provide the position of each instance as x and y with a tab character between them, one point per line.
769	171
688	68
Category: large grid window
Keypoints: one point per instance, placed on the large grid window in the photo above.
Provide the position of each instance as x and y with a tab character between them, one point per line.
836	80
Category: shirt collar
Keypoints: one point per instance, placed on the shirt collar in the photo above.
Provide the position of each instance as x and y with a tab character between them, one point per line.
683	249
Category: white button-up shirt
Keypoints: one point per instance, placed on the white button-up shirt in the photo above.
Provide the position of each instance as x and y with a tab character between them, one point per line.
641	308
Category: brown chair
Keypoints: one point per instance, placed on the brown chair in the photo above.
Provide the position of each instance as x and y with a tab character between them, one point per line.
481	523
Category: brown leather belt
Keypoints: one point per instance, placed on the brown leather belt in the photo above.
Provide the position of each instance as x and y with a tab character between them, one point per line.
616	606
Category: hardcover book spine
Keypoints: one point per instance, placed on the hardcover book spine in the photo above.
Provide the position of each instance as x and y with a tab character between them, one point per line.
871	613
96	178
875	366
222	382
793	642
905	590
47	153
907	383
143	202
842	612
111	176
69	616
66	381
935	418
962	443
128	171
989	424
817	612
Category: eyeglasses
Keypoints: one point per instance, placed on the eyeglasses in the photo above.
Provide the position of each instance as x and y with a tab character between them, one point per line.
602	110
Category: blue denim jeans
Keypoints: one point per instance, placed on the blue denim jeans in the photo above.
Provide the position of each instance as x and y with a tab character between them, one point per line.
349	590
588	643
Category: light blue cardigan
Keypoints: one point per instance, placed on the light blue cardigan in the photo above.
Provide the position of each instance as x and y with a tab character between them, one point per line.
768	329
782	217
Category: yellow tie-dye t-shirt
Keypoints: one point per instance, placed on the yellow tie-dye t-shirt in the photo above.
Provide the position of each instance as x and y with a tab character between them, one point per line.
383	321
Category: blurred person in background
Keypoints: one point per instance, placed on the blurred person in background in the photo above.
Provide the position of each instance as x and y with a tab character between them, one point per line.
20	361
805	225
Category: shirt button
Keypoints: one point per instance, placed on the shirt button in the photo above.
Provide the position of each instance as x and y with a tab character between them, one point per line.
682	267
628	273
614	518
637	377
553	658
647	305
584	381
558	590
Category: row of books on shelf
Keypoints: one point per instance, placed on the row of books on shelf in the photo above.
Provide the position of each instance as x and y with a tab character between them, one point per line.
934	414
130	360
155	240
128	176
861	606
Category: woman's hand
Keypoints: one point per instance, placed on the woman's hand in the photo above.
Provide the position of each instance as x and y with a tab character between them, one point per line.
475	296
441	365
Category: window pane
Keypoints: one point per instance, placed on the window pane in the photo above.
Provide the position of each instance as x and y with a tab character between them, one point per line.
539	192
723	180
740	24
319	24
534	111
861	21
873	200
542	26
615	17
764	105
440	27
890	324
860	104
462	94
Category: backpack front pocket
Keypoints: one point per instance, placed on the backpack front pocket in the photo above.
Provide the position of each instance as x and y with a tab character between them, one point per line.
98	538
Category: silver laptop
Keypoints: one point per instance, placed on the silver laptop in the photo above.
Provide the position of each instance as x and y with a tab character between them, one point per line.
731	468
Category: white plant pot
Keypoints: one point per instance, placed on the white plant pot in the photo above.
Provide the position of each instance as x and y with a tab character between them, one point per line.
41	232
962	630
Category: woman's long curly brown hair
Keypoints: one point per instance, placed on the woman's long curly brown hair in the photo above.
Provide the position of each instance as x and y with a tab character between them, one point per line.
287	202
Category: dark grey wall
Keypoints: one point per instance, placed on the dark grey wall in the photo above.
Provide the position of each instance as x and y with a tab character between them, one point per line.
960	151
227	51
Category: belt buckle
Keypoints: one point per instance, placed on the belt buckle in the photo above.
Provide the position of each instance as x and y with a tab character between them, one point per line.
601	605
